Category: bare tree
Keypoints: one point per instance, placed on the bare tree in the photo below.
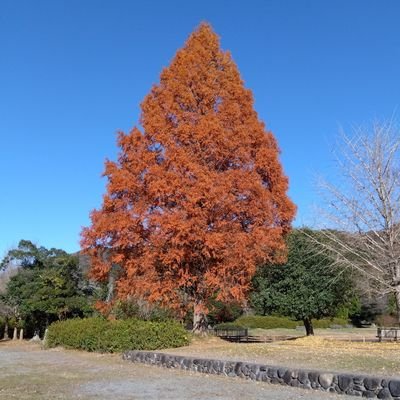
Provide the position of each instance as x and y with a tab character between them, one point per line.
363	206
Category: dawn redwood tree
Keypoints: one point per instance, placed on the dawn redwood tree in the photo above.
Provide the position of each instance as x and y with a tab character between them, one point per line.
197	199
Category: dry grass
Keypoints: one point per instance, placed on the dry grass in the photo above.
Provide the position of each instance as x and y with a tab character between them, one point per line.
332	351
29	373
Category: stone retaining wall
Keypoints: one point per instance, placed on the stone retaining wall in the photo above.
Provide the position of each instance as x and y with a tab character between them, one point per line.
356	385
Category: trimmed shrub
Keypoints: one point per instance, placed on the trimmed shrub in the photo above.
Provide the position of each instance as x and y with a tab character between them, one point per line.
228	325
265	322
101	335
273	322
328	322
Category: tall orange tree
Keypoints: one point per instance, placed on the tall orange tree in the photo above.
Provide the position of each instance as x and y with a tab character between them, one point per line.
198	198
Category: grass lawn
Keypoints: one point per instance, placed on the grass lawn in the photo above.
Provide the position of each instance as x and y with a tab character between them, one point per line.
329	349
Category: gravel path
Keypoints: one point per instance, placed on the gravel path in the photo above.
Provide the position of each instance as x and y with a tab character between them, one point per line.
27	372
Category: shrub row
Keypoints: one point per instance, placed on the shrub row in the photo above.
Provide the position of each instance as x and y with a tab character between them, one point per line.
228	325
273	322
98	334
330	322
267	322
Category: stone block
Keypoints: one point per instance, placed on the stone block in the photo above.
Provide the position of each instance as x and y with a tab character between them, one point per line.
372	383
394	387
260	375
287	377
187	363
313	376
345	382
265	377
218	367
229	367
369	394
238	368
295	383
384	394
254	368
303	377
272	372
281	372
353	392
325	380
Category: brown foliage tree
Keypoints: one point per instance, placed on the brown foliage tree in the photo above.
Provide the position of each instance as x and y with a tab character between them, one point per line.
198	199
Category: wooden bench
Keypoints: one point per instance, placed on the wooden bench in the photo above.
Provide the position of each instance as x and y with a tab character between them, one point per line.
388	333
232	334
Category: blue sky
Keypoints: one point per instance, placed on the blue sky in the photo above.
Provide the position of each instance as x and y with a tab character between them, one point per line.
74	72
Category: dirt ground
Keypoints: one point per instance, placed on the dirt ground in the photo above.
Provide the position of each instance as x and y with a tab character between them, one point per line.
336	350
28	372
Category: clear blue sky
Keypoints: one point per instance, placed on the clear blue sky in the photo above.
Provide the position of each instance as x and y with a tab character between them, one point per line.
74	72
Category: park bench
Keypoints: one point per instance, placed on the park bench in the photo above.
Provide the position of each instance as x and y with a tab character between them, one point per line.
388	333
232	334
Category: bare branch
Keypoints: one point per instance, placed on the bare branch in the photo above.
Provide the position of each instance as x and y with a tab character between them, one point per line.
362	212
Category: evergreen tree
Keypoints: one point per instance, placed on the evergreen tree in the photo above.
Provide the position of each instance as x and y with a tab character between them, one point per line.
47	287
309	285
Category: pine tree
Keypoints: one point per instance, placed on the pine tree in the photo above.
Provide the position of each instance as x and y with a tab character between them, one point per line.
198	199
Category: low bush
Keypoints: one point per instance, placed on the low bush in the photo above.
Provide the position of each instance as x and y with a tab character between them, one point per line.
265	322
328	322
274	322
228	325
101	335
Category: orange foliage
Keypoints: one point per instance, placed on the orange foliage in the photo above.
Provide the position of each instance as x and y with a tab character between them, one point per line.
198	199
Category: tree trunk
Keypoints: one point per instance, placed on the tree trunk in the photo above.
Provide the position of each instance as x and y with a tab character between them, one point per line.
5	336
199	318
15	335
110	287
309	327
397	297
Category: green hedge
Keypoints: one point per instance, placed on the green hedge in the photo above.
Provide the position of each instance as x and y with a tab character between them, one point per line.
228	325
268	322
328	322
273	322
98	334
